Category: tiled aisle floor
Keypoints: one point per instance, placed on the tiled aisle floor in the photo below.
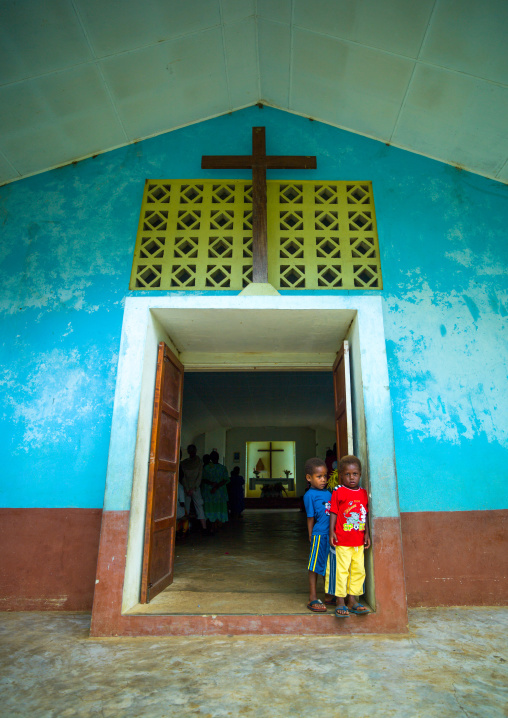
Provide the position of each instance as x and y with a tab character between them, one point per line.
254	566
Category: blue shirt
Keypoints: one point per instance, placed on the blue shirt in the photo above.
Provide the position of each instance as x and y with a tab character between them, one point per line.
317	505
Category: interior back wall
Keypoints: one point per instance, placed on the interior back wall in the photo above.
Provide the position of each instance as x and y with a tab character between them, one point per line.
304	438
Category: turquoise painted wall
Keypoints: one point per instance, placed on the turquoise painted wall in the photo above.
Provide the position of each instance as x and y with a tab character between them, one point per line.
66	249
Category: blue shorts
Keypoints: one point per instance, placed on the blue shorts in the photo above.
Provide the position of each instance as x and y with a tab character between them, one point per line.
319	548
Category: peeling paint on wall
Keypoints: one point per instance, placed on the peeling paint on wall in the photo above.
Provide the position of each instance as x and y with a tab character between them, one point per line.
63	391
449	377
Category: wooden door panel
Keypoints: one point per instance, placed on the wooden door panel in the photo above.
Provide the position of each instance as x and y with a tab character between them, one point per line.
160	518
343	409
162	554
171	394
340	384
169	433
164	498
169	411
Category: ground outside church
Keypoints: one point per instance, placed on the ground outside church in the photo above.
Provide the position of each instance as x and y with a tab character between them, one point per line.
453	663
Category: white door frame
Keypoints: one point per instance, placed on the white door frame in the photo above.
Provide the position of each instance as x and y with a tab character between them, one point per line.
132	414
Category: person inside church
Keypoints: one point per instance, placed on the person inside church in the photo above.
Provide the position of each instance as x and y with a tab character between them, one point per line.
236	490
215	493
191	477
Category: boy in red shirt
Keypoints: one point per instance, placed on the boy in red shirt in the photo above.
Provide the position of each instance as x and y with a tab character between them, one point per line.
349	534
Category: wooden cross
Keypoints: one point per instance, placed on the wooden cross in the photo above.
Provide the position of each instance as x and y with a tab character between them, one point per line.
259	162
270	450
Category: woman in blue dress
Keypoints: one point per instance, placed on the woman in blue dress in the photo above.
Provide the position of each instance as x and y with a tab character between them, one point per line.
214	491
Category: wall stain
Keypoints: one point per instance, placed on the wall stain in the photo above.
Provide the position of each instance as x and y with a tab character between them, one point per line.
475	312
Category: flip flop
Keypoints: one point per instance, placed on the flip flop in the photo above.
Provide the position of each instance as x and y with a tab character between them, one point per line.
359	610
344	612
332	602
316	610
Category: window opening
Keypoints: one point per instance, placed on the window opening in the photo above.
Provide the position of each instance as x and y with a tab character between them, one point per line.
198	236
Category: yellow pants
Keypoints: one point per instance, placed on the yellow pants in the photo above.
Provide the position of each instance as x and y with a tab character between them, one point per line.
345	571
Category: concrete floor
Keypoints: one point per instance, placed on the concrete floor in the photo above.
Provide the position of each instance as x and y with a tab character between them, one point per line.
453	663
257	565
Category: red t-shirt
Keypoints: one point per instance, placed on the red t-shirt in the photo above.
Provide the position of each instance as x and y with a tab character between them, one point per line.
351	506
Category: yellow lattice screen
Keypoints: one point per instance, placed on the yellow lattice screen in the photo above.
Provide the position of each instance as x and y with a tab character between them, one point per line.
197	235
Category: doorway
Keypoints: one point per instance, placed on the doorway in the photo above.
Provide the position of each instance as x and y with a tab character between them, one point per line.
215	404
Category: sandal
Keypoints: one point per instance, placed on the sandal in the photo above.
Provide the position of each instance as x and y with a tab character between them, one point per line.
331	602
341	612
359	610
317	606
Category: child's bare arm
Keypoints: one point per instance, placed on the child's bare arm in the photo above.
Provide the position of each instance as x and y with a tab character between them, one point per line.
310	525
333	521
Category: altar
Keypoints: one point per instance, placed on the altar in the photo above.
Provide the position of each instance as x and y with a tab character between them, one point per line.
287	483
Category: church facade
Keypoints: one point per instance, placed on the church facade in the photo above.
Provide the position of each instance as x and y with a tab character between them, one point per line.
436	418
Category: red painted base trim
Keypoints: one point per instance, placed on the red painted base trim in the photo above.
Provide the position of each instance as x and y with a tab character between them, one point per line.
49	561
390	617
456	558
49	558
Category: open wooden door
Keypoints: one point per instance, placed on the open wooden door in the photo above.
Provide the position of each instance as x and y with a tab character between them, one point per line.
343	412
160	520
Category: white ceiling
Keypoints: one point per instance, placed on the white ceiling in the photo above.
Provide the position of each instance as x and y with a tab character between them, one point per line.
79	77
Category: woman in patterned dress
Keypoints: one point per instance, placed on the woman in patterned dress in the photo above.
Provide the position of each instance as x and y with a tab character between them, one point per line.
214	492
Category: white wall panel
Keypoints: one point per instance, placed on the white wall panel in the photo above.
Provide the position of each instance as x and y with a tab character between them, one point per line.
397	26
7	171
57	118
242	64
118	25
276	10
170	84
274	61
38	37
234	10
470	36
455	118
346	84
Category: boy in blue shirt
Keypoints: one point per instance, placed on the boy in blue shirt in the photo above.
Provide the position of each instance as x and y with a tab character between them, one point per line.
317	506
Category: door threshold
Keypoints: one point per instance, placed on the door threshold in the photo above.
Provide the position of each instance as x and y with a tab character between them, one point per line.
193	603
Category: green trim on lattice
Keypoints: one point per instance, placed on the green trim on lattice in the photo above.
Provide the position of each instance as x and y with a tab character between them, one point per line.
197	235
